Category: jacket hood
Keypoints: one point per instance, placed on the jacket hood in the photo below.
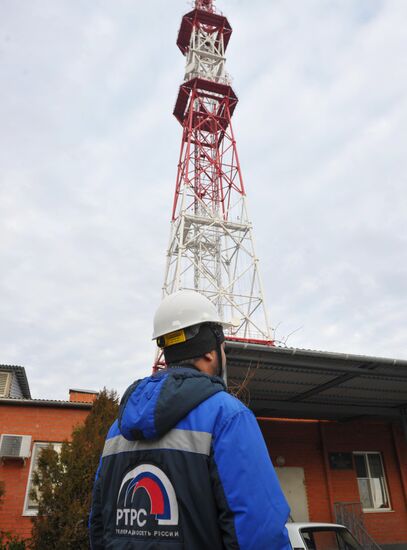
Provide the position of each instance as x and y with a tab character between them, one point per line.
154	405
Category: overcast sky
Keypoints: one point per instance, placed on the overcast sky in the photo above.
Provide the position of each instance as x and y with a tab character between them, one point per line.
88	154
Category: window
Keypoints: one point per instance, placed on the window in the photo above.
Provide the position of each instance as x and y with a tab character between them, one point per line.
30	504
371	481
323	540
329	538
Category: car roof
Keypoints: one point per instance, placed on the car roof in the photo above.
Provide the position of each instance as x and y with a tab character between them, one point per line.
299	525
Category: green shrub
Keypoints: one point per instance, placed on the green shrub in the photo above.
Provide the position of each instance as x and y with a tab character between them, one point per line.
11	542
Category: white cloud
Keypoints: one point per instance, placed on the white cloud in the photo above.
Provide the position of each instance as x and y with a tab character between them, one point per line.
88	154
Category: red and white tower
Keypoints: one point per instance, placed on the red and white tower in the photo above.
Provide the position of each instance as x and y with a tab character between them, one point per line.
211	244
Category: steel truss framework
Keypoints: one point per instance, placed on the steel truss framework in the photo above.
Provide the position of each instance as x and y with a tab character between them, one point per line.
206	56
211	245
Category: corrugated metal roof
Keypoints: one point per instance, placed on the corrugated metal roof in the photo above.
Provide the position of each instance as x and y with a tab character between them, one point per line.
21	377
300	383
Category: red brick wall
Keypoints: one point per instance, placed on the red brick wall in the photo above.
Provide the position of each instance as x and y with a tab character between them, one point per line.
386	527
43	424
81	397
301	444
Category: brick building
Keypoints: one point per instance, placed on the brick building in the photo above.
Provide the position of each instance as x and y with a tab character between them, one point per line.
40	422
335	426
346	459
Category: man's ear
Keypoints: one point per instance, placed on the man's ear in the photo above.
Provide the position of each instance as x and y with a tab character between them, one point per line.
208	356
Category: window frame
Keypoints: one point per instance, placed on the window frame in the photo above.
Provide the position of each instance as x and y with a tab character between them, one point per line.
365	454
37	444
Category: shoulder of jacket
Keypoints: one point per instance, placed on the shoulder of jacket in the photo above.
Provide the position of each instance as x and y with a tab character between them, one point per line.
215	411
226	406
231	401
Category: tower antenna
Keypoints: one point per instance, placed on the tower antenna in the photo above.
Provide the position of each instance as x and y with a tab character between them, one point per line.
205	5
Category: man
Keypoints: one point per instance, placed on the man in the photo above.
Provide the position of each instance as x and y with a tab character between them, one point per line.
185	464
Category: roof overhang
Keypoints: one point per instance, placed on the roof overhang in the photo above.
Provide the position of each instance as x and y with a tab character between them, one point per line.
48	403
294	383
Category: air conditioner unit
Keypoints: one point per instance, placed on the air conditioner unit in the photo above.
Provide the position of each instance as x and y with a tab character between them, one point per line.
15	446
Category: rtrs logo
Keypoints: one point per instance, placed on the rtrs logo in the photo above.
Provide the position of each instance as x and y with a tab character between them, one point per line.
146	498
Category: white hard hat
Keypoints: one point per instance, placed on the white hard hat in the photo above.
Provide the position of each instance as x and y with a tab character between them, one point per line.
183	309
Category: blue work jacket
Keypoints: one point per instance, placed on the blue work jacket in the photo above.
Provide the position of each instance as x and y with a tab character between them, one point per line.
185	466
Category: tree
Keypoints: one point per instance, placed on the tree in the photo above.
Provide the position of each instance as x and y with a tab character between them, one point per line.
64	481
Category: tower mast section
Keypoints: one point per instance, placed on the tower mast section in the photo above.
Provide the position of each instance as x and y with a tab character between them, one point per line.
211	246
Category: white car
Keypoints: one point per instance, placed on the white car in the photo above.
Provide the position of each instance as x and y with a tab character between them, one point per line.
321	536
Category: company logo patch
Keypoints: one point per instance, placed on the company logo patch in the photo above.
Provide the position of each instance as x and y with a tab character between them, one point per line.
147	506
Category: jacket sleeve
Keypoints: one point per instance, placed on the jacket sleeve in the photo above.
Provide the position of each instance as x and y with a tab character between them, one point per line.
95	517
251	491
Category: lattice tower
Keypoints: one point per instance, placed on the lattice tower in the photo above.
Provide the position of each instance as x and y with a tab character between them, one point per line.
211	245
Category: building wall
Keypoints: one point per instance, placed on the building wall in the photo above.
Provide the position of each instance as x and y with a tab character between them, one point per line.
302	444
384	526
307	444
299	444
43	424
